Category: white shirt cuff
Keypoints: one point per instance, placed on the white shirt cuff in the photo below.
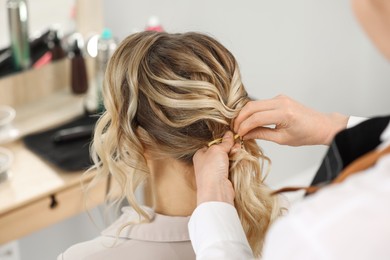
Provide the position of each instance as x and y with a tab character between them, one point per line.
354	120
215	229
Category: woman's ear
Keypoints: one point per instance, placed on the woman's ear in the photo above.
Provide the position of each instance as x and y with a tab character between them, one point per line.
147	154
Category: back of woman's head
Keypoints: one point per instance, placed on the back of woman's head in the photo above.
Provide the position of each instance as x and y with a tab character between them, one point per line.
171	94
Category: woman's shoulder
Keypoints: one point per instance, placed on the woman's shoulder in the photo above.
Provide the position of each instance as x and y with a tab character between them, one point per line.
87	250
129	216
159	228
164	237
103	248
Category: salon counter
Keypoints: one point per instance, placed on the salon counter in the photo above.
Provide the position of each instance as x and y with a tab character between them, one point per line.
37	194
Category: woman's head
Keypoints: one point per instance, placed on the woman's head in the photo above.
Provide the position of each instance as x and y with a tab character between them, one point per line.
170	95
175	91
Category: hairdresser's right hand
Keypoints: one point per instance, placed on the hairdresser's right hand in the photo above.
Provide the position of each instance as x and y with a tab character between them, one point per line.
211	166
294	124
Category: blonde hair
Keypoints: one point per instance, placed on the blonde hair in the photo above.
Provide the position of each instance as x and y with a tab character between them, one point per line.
172	94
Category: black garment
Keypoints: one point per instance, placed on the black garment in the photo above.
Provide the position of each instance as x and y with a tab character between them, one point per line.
349	145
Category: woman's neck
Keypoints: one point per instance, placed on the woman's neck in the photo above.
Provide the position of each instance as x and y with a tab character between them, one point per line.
173	187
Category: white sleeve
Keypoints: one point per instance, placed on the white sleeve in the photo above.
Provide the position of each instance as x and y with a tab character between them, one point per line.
216	233
354	120
287	240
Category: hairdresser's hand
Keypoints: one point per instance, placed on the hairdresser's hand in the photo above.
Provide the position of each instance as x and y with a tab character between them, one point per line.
211	167
294	124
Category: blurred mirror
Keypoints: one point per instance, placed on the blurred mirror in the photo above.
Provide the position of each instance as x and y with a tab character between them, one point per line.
48	25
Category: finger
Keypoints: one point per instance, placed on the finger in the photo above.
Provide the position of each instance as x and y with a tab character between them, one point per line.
265	133
227	142
253	107
260	119
236	147
199	153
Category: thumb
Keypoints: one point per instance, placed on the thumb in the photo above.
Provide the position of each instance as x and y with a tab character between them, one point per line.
227	142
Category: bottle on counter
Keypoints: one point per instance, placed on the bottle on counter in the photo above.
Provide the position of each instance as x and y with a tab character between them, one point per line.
79	77
154	24
18	29
54	44
106	46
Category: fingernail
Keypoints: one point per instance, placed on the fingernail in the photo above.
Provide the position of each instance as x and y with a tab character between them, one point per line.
235	150
236	129
228	134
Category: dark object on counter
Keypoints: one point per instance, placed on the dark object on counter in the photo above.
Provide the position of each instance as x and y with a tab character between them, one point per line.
69	156
38	47
79	79
6	66
54	44
71	134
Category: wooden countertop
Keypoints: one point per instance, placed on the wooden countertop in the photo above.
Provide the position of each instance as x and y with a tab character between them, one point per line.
32	178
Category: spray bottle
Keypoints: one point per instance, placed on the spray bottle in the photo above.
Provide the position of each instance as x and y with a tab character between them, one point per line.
18	28
105	49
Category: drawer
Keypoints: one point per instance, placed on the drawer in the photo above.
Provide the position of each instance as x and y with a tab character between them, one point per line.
49	210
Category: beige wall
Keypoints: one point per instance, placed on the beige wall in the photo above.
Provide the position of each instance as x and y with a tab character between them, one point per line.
314	51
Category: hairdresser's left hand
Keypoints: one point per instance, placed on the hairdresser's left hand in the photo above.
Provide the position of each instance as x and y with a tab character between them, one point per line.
295	124
211	166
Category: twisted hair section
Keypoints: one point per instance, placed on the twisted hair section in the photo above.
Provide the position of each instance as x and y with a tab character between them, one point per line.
171	94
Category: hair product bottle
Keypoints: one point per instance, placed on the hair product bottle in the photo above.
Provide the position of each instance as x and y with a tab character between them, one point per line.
154	24
79	78
18	29
105	48
54	43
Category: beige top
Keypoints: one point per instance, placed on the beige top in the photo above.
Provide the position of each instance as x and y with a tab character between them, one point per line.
165	237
